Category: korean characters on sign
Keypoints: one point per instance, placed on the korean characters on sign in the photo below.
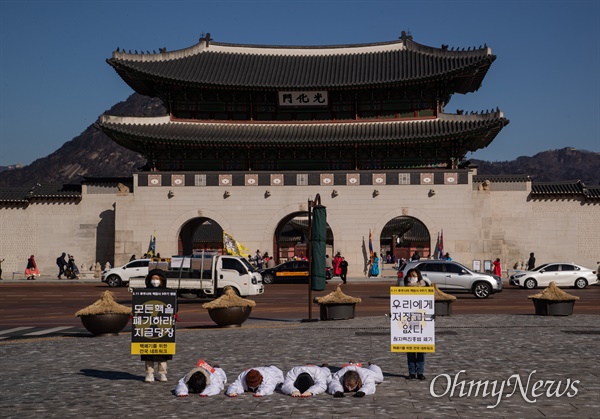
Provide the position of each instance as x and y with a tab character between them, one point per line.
153	323
308	98
412	324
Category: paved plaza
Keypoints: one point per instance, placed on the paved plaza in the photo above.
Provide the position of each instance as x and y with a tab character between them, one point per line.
85	376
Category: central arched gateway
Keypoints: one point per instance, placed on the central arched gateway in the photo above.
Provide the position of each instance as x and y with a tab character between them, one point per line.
404	235
200	234
291	237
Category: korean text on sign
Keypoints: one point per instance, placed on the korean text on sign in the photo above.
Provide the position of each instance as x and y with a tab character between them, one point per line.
153	322
412	324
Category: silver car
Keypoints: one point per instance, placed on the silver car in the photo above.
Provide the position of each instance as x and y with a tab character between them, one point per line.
452	276
563	274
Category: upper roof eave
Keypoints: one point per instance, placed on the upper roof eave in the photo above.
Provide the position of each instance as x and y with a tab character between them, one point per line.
223	65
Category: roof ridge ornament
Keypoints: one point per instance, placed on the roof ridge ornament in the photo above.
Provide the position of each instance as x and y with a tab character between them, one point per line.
206	38
406	36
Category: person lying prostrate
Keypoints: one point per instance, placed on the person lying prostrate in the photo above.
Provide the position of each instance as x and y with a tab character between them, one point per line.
202	379
262	381
306	380
354	378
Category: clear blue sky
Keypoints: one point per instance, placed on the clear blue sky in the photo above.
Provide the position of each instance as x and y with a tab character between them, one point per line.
54	81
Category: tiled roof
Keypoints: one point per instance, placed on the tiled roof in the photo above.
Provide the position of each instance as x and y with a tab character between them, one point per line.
55	191
482	128
14	195
501	178
293	67
567	188
25	195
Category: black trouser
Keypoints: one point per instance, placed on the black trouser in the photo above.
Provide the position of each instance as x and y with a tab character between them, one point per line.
343	276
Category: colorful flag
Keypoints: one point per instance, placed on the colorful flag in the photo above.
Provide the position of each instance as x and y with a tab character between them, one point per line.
233	247
441	246
152	246
371	247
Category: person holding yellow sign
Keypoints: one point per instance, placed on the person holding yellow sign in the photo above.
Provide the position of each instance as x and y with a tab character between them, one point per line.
416	360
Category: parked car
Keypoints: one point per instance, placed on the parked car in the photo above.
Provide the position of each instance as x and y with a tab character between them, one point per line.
453	277
564	274
117	277
294	269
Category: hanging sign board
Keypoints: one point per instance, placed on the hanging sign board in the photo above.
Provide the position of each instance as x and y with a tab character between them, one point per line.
306	98
412	323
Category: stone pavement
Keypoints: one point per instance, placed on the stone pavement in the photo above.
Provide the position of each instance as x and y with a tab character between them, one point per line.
87	376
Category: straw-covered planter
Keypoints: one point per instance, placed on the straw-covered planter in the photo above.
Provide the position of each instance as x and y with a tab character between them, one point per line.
337	305
105	316
443	302
553	302
229	310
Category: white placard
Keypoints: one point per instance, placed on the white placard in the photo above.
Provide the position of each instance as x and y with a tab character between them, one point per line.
180	262
412	323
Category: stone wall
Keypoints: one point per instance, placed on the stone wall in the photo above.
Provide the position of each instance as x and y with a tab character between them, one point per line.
478	223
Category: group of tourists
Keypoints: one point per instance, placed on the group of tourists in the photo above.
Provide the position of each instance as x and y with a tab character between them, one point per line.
300	381
261	261
338	266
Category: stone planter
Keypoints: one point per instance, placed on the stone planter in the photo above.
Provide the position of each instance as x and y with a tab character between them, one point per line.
443	307
553	308
337	311
105	324
230	316
553	302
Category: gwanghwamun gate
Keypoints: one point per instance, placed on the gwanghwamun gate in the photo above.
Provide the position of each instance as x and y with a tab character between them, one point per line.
253	132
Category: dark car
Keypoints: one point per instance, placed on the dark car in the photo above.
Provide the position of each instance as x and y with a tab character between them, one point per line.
294	269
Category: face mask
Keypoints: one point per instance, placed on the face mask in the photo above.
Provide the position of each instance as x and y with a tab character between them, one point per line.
155	283
412	279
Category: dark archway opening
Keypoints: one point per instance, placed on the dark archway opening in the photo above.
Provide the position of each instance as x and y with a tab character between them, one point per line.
200	234
402	236
291	238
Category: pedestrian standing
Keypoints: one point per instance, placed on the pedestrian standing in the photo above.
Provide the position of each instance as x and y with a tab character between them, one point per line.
497	267
258	259
1	269
375	266
531	262
156	278
336	264
415	360
343	268
61	263
31	270
329	263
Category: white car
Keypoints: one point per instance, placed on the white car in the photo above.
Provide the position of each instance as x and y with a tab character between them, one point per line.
564	274
117	277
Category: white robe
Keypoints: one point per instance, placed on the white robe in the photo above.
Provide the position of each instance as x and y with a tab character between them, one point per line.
320	375
272	377
369	376
214	387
